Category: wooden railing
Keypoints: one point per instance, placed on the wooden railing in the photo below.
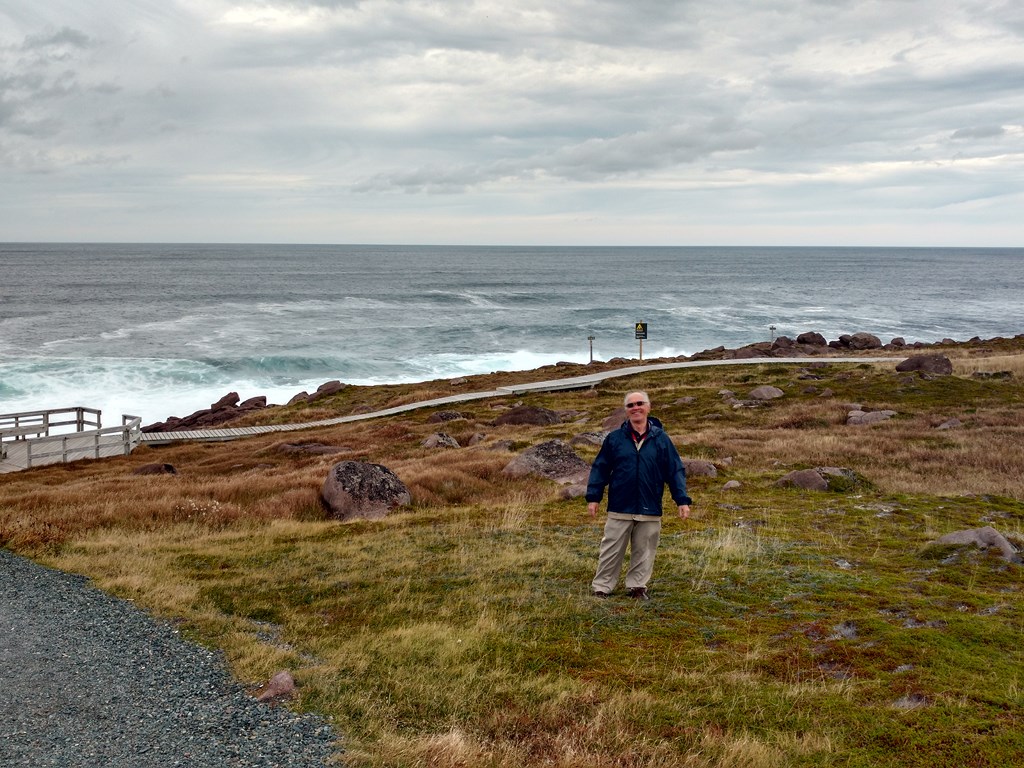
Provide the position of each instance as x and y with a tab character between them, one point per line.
34	438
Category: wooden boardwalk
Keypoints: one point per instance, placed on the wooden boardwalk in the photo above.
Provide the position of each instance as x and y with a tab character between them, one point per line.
575	382
34	438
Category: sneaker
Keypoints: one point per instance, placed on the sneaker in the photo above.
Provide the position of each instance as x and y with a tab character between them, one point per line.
639	593
599	593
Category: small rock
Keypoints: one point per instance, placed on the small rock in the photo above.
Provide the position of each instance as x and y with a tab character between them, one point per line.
910	701
440	440
444	416
808	479
766	392
318	449
732	485
574	491
589	438
699	468
281	686
864	418
155	469
983	538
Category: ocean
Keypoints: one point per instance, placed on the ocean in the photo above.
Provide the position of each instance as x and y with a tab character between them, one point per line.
162	330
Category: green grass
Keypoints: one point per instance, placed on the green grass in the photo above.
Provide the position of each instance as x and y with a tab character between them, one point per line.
787	628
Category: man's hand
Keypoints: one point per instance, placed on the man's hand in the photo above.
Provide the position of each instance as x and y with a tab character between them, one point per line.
592	508
684	511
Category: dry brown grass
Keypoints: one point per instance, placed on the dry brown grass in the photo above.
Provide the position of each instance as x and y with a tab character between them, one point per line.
458	632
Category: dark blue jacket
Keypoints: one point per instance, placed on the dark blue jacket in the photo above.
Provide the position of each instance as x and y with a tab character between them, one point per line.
636	479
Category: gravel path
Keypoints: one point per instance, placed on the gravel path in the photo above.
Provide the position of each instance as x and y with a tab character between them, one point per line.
90	680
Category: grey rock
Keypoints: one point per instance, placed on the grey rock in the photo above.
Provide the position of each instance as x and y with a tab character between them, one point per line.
766	392
864	418
589	438
356	489
445	416
983	538
528	414
808	479
440	440
699	468
552	459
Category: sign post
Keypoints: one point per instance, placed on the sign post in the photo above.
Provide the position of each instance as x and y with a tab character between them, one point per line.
641	334
591	340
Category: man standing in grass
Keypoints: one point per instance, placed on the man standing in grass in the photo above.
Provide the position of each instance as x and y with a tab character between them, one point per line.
635	462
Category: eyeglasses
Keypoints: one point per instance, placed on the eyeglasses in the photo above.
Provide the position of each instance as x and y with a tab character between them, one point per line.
637	404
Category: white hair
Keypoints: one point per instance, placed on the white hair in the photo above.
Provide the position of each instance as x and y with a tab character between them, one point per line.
636	392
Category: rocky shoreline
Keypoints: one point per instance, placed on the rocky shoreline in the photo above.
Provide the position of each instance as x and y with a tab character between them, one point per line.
230	407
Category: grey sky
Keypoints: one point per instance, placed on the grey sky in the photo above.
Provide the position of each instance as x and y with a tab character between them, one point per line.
817	122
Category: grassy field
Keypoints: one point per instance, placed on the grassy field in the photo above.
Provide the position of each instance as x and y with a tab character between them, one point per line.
787	627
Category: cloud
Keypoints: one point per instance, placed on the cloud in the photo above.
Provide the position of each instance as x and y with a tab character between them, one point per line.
66	36
483	109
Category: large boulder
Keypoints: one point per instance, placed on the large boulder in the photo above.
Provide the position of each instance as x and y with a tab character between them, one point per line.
935	364
224	410
230	400
326	390
529	414
356	489
865	341
553	459
813	338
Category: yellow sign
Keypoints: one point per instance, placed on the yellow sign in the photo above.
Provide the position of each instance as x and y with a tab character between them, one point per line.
641	330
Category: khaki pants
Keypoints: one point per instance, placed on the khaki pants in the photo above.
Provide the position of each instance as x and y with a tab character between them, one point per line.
642	538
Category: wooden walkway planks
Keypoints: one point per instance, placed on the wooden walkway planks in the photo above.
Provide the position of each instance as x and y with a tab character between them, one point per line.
575	382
